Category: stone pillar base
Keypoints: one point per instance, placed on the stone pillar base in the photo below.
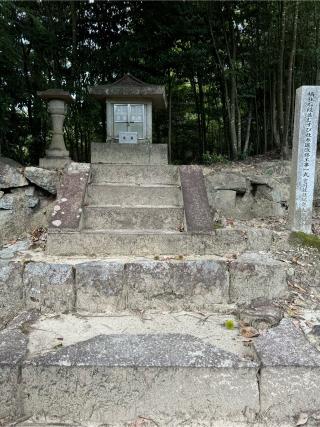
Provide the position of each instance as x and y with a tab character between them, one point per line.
54	162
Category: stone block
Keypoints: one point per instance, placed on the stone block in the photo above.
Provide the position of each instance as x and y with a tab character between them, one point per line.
228	239
194	284
133	218
195	199
128	195
100	286
141	243
114	379
43	178
11	177
256	275
7	202
132	154
141	285
259	239
135	174
224	200
54	162
226	181
67	211
117	243
290	372
49	287
13	249
13	348
11	290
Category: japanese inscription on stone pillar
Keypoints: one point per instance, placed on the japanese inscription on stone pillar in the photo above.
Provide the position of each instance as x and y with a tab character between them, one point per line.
304	157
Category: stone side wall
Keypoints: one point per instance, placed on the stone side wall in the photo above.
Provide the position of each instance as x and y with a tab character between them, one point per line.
252	191
26	198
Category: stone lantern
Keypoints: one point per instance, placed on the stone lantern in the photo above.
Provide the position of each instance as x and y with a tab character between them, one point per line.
57	156
129	103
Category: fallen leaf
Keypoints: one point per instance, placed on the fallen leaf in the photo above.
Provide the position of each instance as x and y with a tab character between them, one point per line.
249	332
303	419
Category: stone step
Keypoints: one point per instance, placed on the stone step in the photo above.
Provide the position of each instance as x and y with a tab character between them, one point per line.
133	195
112	369
129	154
131	242
128	217
111	284
151	243
135	174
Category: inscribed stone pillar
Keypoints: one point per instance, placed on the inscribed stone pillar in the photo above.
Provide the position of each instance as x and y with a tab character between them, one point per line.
304	152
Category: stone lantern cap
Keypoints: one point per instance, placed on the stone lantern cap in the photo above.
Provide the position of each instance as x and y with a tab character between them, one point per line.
131	87
50	94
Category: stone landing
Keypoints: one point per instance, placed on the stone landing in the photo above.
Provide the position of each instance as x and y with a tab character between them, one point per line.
179	368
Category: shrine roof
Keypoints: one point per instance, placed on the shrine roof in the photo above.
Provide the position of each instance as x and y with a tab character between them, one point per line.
129	86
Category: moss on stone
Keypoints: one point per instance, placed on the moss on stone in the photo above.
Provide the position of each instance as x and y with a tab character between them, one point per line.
217	225
303	239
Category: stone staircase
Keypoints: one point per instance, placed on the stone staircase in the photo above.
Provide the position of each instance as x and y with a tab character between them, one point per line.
133	197
132	203
123	317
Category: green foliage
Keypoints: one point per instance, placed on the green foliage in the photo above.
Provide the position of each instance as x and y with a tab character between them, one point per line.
217	225
218	60
307	240
212	158
229	324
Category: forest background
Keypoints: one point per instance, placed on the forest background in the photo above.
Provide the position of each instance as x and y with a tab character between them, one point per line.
230	69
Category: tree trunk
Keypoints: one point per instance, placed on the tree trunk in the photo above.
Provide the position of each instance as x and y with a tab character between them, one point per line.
169	117
247	140
280	114
285	145
276	136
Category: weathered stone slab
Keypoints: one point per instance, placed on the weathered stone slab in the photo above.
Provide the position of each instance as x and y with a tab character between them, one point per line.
12	250
103	286
100	286
290	373
132	154
11	290
306	122
133	218
254	276
11	177
7	201
131	195
141	243
116	378
13	348
259	239
228	239
147	350
224	200
49	287
68	209
197	284
196	205
43	178
117	243
135	174
226	181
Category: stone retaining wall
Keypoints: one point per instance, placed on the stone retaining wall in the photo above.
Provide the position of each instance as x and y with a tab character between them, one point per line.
102	286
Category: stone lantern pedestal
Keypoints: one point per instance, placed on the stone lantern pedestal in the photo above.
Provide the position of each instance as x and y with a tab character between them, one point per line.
57	156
